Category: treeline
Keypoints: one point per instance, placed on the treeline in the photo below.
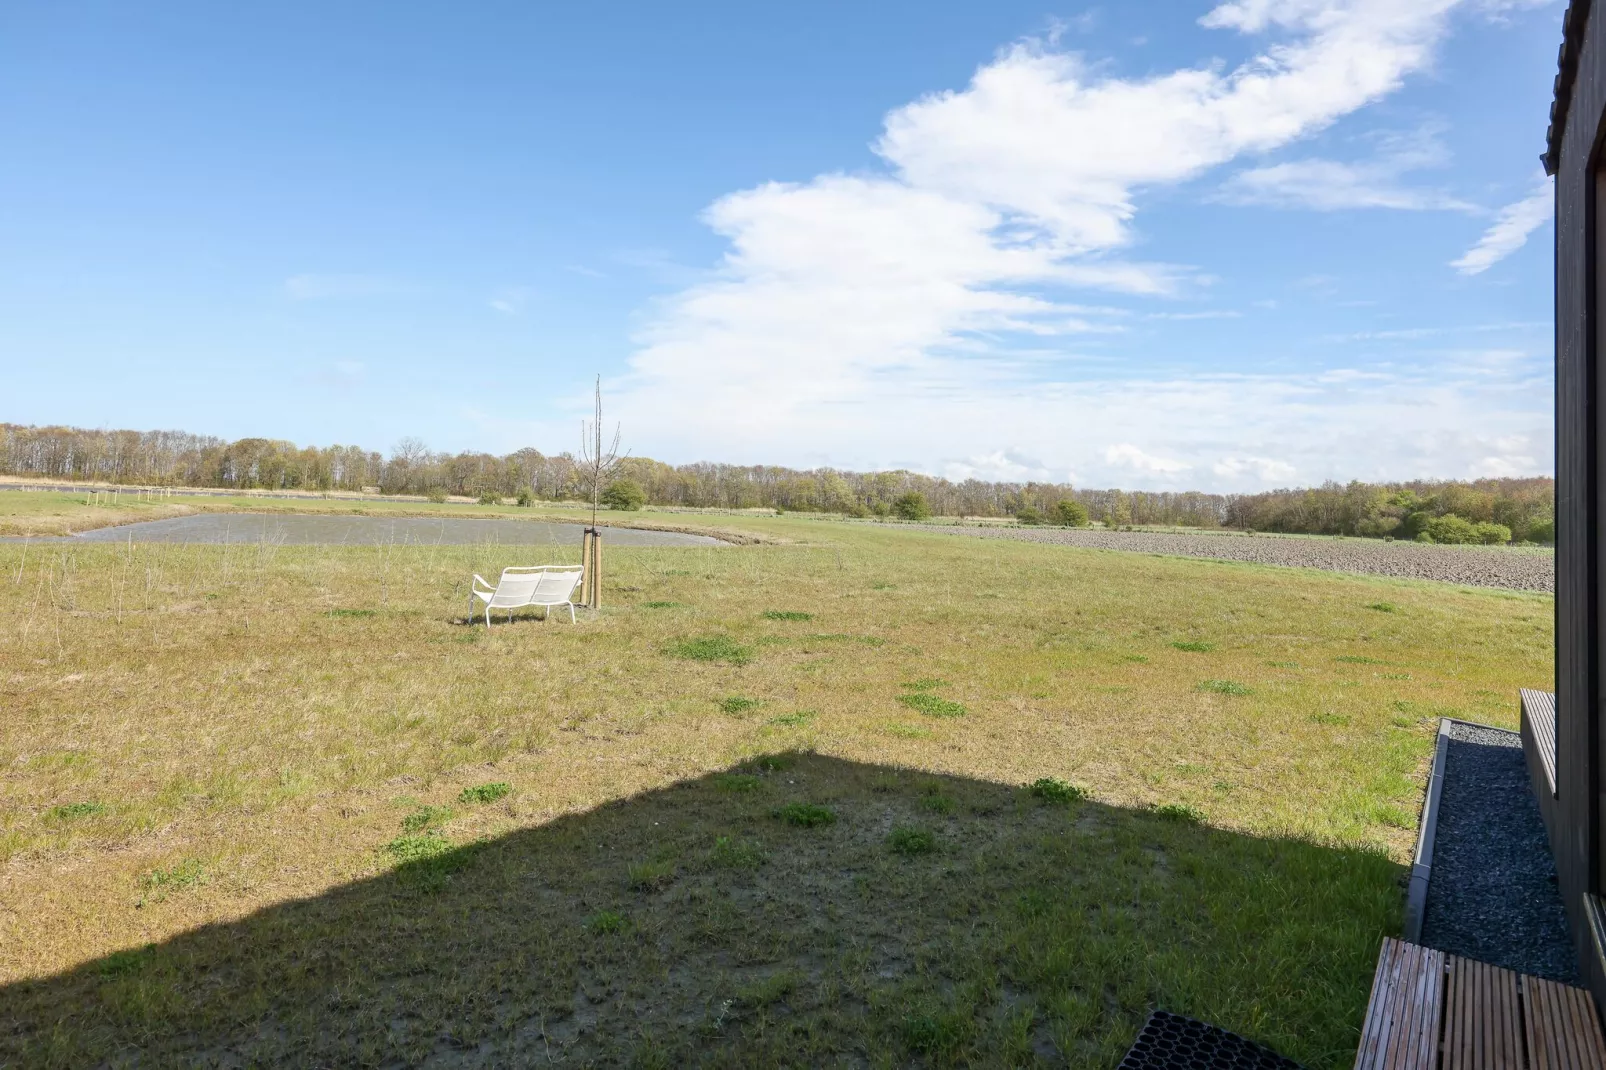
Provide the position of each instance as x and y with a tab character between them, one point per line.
170	458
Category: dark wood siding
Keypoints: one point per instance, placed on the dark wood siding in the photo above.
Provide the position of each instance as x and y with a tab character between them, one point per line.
1575	832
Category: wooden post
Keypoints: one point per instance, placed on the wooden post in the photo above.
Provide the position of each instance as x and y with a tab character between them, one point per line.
596	571
585	563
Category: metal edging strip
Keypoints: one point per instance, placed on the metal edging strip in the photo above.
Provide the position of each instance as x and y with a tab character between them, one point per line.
1416	898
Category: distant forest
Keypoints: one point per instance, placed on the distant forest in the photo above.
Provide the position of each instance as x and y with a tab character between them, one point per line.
172	458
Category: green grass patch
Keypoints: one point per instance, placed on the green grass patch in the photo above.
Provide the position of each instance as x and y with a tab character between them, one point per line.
404	850
738	783
1194	646
126	962
1223	687
800	719
75	811
712	648
1058	792
844	637
480	794
928	683
1384	607
189	873
1135	659
606	923
650	876
353	613
786	614
730	852
933	705
1179	812
736	704
908	731
1338	719
805	815
910	841
1359	659
663	605
426	817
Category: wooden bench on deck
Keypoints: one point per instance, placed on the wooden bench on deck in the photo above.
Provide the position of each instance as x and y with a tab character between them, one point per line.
1435	1011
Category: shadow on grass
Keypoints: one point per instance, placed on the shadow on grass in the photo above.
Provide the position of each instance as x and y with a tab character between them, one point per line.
692	925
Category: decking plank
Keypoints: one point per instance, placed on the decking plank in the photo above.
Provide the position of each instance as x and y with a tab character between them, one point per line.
1487	1017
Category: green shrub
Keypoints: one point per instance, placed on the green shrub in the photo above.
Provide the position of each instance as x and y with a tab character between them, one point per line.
1029	516
1451	529
624	494
436	494
1542	530
1049	790
490	497
1491	534
525	499
805	815
712	648
1070	513
911	506
485	793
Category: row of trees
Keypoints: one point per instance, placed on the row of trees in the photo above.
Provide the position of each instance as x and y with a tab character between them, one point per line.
170	458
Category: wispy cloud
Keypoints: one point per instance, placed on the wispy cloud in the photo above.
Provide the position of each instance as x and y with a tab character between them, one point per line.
1127	455
1510	230
1332	185
510	300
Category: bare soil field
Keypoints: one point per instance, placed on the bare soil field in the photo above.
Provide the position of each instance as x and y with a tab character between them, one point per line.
1512	568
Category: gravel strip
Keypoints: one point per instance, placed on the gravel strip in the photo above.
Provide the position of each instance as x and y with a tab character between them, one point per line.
1492	892
1476	566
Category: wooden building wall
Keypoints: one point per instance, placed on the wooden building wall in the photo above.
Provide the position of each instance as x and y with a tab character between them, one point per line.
1579	469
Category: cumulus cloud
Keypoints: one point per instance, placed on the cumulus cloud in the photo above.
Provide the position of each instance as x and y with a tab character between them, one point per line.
1264	469
898	316
1510	230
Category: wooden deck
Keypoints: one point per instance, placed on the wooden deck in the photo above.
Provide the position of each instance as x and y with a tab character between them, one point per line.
1434	1011
1539	731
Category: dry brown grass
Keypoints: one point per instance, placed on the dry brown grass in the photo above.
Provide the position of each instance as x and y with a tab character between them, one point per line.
268	713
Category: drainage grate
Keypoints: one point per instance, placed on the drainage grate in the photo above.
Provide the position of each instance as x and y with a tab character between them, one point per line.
1172	1042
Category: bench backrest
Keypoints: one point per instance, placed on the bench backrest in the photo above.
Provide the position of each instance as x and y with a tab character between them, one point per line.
557	585
515	588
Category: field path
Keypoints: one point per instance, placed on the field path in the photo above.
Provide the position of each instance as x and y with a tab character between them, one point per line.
1475	566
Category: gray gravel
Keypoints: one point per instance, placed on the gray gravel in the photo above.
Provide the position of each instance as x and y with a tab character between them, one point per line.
1492	892
1517	569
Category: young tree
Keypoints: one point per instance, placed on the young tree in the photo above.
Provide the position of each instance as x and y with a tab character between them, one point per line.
597	464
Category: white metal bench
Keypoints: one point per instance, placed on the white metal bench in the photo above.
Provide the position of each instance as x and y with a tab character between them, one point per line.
536	585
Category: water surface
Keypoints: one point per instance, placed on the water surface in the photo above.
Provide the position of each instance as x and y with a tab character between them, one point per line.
295	529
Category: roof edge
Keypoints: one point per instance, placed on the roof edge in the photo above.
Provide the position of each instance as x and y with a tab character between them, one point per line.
1573	22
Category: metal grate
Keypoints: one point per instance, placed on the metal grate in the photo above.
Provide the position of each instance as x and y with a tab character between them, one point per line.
1172	1042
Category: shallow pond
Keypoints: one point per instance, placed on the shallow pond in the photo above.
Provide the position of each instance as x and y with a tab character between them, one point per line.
292	529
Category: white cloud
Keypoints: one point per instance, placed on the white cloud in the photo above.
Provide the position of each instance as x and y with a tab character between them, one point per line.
1264	469
1510	230
896	318
1127	455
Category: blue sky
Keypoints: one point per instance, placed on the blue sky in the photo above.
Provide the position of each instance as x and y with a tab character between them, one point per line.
1163	245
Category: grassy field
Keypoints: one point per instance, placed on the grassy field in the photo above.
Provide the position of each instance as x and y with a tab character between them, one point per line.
767	808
